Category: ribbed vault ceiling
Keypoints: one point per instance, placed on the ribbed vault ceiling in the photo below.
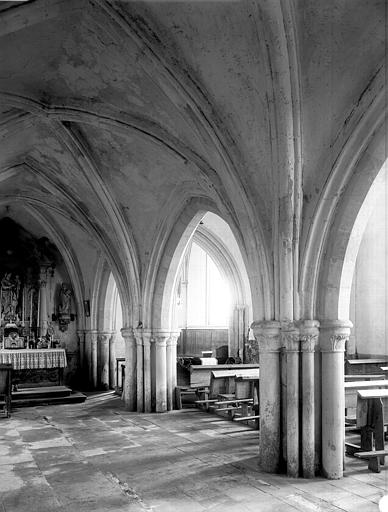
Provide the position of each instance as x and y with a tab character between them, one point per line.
110	111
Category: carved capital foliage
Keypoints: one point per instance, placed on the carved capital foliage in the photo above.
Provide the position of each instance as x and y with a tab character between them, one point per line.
290	340
308	342
147	337
267	335
334	336
160	337
103	337
309	334
337	342
173	339
127	334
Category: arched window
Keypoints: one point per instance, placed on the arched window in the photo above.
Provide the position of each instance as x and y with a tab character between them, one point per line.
208	295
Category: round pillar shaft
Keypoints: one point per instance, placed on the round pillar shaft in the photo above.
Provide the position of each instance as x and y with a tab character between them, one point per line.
129	387
94	360
104	359
147	370
169	375
161	371
112	361
139	371
268	336
81	338
292	402
171	370
332	343
309	338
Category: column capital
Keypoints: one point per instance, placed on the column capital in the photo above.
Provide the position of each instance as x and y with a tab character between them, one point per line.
290	338
267	333
138	333
104	335
160	336
334	335
173	339
147	335
127	334
91	332
309	333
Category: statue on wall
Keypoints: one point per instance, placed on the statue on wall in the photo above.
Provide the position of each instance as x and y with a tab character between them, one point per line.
64	307
64	300
10	289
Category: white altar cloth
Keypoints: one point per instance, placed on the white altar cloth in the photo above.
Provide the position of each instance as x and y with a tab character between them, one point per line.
34	359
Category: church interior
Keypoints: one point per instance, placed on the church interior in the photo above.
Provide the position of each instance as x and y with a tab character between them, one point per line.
193	257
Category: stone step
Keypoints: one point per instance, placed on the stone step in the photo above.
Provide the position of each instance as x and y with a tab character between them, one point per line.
40	391
49	395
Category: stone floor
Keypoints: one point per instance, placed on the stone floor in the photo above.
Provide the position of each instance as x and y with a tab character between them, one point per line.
95	457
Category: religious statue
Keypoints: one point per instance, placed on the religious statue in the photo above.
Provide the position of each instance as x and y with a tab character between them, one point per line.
10	289
64	307
64	300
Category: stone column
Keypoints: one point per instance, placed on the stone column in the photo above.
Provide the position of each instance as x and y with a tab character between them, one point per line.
333	337
139	370
112	360
129	386
147	369
81	340
43	302
88	357
268	337
171	369
103	340
160	338
309	331
94	358
291	343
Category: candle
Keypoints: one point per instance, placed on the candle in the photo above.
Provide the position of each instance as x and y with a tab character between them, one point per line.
23	301
31	294
37	317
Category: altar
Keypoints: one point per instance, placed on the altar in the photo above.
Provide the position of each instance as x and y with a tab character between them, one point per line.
35	367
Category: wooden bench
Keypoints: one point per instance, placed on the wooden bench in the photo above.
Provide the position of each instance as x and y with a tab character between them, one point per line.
200	374
372	409
351	389
223	382
372	376
249	411
365	366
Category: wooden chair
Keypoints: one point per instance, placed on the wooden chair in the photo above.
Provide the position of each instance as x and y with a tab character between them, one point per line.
5	389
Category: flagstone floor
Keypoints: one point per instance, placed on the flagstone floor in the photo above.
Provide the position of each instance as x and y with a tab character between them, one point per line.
96	457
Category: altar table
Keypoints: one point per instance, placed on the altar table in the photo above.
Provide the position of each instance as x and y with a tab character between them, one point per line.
34	359
35	367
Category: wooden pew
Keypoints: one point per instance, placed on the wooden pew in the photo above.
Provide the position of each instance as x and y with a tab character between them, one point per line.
365	366
372	415
244	404
224	391
200	374
351	389
353	378
249	412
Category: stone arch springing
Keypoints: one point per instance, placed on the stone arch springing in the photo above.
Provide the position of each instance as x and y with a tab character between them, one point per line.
234	274
330	298
175	246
